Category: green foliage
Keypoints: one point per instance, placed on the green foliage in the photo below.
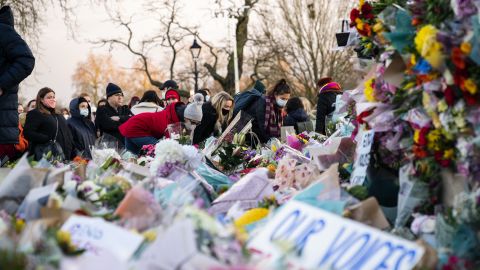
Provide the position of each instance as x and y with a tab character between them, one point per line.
359	192
229	156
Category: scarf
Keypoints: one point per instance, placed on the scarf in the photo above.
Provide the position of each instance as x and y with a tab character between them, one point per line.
272	118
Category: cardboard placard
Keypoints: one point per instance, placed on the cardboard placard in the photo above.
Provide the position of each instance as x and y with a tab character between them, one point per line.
95	234
322	240
362	157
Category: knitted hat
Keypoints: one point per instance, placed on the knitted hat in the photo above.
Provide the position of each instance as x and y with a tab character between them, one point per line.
172	94
113	89
170	84
194	109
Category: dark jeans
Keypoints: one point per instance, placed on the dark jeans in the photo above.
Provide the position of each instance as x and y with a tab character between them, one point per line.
134	145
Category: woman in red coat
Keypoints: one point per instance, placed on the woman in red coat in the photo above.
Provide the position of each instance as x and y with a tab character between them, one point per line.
147	128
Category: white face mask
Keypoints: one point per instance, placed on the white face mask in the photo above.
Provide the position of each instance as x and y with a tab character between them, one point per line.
189	126
84	112
207	98
65	116
281	102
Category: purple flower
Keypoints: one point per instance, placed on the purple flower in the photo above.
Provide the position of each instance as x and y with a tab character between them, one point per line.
465	8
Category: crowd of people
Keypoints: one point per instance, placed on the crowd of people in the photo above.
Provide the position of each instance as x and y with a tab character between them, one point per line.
41	127
74	131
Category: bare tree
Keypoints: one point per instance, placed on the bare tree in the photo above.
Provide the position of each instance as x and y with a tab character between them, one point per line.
299	45
170	35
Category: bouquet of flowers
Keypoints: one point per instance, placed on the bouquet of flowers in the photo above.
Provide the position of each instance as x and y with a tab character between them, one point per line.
170	154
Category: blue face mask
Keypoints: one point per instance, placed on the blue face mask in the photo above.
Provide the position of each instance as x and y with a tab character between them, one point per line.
281	103
84	112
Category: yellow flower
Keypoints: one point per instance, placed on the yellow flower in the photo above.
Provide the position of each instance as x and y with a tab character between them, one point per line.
433	138
150	235
251	216
427	45
271	167
359	24
362	2
63	237
466	48
416	136
274	148
378	27
442	106
448	154
19	225
369	92
409	85
413	59
368	46
470	86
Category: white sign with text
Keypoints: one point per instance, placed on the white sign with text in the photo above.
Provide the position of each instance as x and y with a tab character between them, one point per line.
362	157
322	240
95	235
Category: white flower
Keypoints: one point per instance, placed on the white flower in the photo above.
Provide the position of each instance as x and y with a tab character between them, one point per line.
90	189
167	150
69	186
193	157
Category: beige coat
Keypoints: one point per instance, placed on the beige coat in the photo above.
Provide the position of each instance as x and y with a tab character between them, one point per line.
145	107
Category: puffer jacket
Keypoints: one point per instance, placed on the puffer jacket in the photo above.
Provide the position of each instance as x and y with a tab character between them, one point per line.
16	63
82	129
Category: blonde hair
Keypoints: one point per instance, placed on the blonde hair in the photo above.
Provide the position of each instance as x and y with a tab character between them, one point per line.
218	101
307	105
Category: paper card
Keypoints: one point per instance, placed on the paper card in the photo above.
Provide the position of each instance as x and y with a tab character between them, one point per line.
285	131
34	201
322	240
95	234
362	157
340	150
172	248
104	260
369	212
394	73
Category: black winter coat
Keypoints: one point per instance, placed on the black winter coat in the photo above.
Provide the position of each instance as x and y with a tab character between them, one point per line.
325	106
40	128
206	128
82	129
109	126
257	111
295	117
16	63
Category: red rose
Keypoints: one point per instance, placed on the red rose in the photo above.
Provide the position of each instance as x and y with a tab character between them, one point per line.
367	9
469	98
457	58
449	96
354	14
422	138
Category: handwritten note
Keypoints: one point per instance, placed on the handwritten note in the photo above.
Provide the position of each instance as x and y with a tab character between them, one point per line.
96	235
362	157
322	240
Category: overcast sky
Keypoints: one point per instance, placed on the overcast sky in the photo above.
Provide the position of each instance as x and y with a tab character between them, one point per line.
58	53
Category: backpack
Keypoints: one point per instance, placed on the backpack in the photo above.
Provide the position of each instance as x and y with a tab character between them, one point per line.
245	99
22	145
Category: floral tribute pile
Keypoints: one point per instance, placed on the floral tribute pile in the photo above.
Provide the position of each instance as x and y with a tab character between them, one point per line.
410	130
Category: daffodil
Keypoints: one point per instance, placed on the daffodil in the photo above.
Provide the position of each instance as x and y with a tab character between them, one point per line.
470	86
448	154
63	237
466	48
416	136
427	45
150	235
442	106
369	91
251	216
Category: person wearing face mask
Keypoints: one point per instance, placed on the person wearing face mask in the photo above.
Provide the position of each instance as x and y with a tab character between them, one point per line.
147	128
217	114
81	126
44	125
113	114
172	96
267	111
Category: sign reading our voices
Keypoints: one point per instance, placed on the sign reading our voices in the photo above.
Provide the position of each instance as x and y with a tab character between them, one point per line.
325	241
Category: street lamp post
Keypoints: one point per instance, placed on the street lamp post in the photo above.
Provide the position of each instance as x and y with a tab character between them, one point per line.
195	50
